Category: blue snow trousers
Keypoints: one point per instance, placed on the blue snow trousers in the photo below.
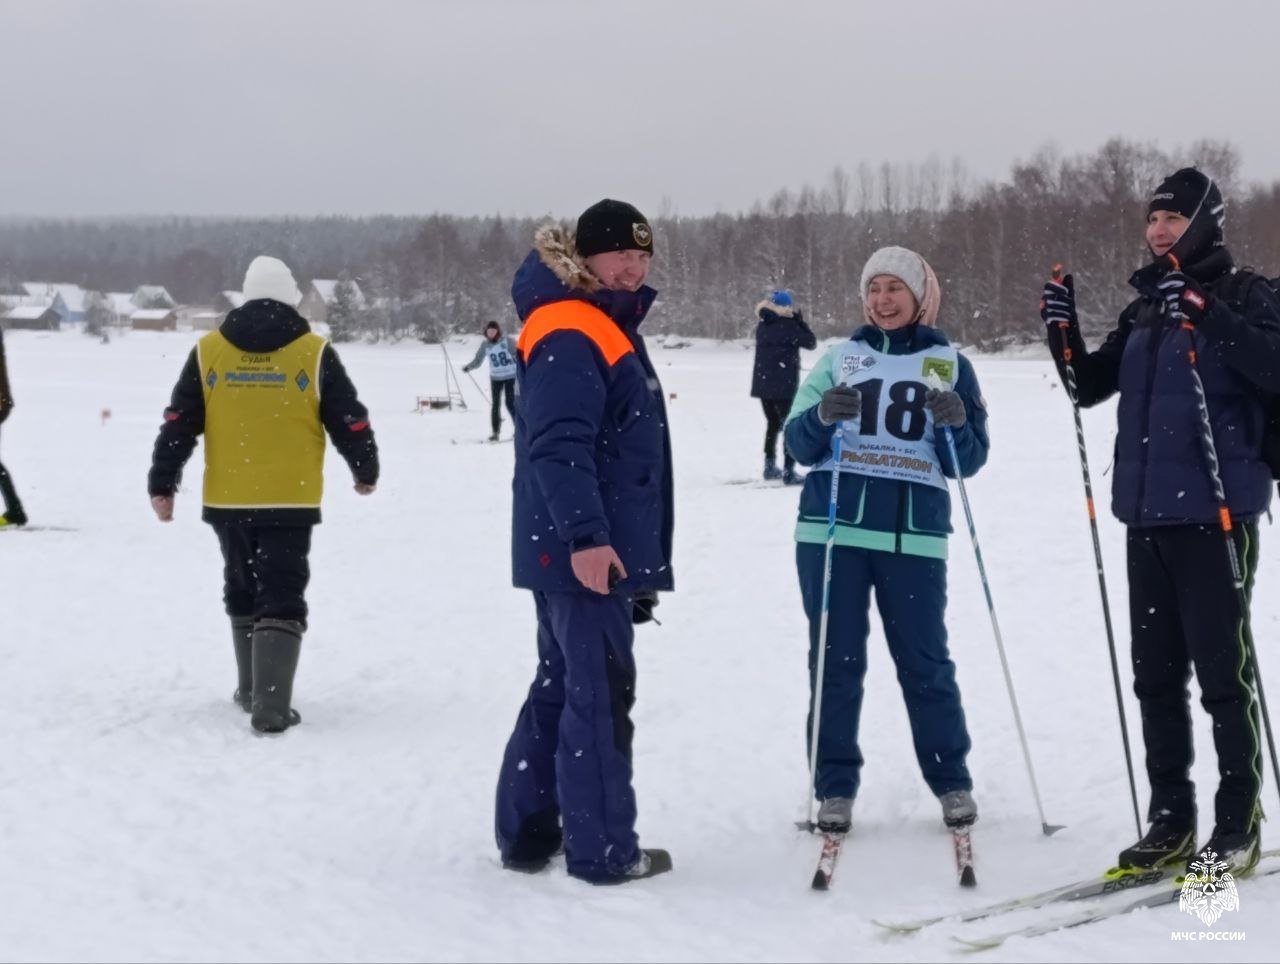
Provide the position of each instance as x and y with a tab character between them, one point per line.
569	758
911	594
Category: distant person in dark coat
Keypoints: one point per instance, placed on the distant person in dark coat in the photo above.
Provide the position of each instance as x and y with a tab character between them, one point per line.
13	511
780	335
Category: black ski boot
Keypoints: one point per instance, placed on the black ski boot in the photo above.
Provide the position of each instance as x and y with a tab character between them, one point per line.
242	639
1238	850
276	646
1168	842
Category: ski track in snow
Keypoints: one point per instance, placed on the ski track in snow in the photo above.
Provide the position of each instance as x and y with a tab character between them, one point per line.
140	819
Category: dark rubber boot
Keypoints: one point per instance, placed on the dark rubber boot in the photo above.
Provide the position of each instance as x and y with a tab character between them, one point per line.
242	640
277	644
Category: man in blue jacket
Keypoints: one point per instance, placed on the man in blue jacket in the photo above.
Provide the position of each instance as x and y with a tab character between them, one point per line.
591	537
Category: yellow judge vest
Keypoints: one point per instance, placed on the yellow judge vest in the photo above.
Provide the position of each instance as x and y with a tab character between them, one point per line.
263	438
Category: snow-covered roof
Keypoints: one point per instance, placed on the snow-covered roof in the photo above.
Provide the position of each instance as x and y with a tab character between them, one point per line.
121	302
234	298
73	296
28	312
325	288
150	292
151	314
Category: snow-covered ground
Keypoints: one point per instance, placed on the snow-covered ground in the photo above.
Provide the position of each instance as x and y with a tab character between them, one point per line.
140	819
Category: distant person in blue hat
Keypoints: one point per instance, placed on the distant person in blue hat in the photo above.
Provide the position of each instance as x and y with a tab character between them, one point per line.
780	335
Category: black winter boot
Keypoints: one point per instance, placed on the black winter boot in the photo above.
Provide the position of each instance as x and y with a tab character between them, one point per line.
771	470
242	639
276	646
1233	852
1168	842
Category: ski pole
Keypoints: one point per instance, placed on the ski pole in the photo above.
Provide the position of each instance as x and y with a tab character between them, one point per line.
477	385
1210	450
1074	394
824	623
1046	828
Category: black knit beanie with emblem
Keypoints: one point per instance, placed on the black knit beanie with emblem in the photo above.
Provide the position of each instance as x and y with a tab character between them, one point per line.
1194	195
610	225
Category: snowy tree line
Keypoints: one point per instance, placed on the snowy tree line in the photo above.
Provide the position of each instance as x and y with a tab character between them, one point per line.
991	242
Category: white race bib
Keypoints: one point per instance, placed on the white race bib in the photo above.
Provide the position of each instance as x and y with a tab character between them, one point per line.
501	365
894	437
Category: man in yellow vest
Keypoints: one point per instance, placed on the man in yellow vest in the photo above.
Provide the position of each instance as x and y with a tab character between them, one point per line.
263	390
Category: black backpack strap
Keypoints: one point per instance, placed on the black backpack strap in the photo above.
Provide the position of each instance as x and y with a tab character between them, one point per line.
1236	287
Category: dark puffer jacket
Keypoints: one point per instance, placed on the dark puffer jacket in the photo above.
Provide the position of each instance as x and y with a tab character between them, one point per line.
780	334
593	451
1161	476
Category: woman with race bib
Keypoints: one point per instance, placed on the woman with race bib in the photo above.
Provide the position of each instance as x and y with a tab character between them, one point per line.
891	391
501	351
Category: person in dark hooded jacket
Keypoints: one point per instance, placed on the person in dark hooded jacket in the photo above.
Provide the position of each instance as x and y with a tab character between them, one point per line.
263	390
1194	313
591	538
780	334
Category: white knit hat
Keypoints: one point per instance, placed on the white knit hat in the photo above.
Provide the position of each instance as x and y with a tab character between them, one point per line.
271	278
899	262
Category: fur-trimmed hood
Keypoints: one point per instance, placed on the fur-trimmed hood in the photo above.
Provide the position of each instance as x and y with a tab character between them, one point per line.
554	271
557	248
782	311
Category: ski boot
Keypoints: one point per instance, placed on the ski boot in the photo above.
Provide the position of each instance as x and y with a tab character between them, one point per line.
835	815
958	809
1239	850
1170	841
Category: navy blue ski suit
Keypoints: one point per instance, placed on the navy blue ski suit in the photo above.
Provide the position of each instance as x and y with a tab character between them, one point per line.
592	468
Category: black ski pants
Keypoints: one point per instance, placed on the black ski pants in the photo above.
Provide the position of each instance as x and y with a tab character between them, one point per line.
1185	611
266	570
507	388
12	504
775	414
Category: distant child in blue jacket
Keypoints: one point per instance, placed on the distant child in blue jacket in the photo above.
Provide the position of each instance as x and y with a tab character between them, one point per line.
891	390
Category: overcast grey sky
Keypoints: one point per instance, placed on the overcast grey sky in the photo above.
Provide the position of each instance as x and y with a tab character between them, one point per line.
542	106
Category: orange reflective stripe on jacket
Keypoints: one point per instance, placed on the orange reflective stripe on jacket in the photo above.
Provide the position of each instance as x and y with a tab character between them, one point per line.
574	316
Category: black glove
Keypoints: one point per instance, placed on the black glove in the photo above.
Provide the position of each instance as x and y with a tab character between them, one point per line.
947	408
1184	299
642	607
1058	303
839	404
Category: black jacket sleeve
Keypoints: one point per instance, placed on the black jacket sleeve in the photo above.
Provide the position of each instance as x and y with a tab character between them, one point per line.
183	424
805	337
1097	373
6	396
1248	342
346	420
